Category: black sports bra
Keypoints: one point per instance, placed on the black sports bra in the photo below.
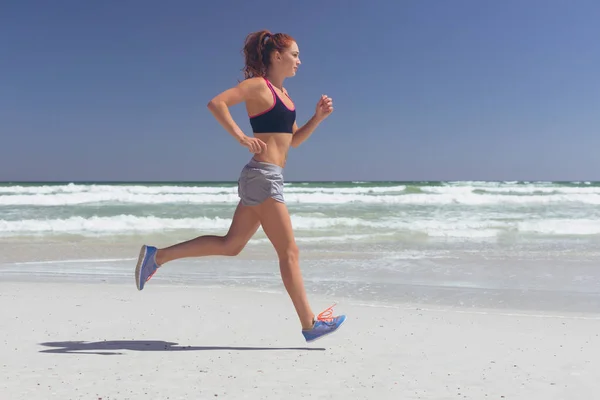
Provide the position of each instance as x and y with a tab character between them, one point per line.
278	118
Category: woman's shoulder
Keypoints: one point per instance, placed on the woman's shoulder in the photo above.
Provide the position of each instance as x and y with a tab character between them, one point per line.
253	86
254	82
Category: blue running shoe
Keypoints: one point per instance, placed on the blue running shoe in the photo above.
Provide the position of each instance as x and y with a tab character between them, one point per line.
146	266
324	325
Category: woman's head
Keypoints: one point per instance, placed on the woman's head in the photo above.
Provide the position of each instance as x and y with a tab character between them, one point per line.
265	51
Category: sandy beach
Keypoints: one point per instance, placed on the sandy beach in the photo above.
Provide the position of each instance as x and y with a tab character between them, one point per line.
109	341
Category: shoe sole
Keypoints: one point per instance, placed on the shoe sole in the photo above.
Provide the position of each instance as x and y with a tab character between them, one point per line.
328	333
138	266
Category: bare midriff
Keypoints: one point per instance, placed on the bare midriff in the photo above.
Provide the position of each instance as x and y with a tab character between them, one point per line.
278	145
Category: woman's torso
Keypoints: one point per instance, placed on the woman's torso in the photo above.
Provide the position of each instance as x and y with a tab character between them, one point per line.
272	114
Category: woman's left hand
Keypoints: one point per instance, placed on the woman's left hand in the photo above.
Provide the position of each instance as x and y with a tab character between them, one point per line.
324	107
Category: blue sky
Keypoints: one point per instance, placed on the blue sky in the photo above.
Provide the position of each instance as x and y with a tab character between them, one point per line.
440	90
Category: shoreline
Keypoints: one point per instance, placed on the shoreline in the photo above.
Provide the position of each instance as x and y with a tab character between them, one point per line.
420	285
195	286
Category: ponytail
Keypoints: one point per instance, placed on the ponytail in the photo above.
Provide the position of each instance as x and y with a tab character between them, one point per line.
258	47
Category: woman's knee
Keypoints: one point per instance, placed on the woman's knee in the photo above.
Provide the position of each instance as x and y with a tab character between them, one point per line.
232	247
290	253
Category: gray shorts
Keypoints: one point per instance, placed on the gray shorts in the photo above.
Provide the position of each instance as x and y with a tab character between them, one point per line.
258	181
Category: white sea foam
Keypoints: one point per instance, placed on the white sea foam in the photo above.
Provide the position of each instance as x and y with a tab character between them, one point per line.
522	190
171	189
453	196
342	212
334	227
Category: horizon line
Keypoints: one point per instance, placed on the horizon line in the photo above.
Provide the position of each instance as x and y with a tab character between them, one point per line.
302	181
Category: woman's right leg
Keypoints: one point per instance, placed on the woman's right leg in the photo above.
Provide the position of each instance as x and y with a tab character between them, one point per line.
244	225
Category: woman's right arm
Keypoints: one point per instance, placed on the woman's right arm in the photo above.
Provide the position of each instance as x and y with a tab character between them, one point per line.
219	107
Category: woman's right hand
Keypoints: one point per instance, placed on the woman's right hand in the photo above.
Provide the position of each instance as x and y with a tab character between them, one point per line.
254	145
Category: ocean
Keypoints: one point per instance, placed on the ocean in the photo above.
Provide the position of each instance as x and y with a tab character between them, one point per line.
480	244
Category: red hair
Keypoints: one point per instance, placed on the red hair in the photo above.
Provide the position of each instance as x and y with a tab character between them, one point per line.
258	47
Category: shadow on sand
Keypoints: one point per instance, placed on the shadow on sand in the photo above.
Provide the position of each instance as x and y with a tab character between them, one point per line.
111	347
